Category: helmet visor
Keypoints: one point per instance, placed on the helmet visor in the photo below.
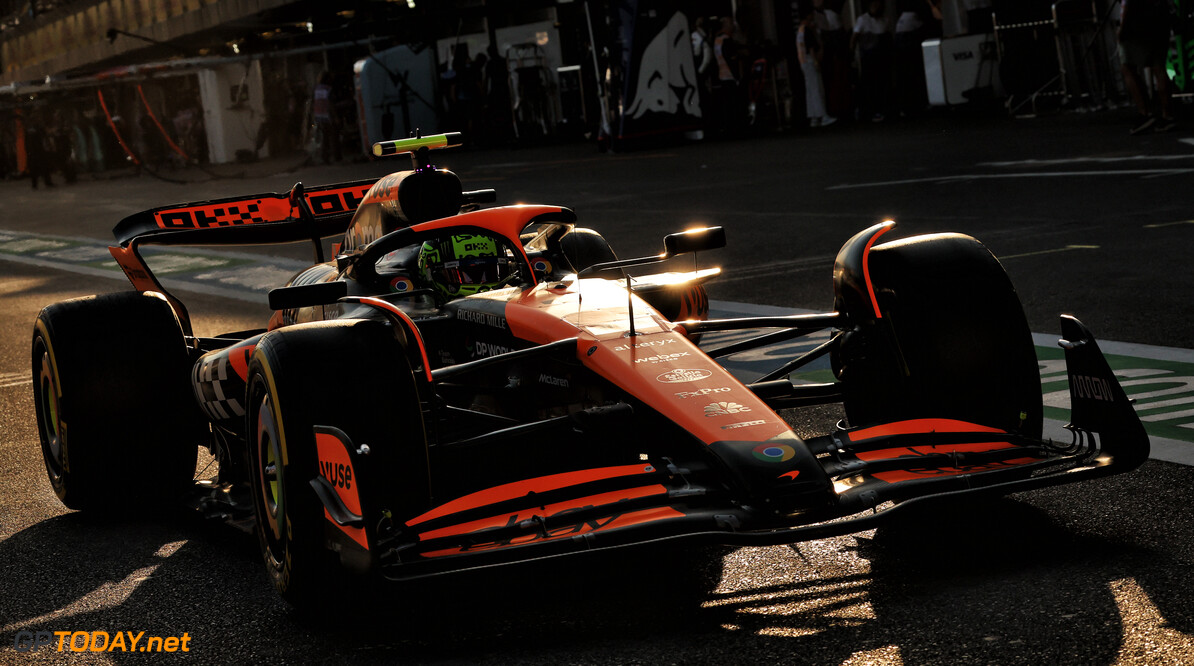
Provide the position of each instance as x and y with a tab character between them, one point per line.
475	270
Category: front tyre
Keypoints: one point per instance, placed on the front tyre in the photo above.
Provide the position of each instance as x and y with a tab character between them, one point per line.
117	419
953	341
352	376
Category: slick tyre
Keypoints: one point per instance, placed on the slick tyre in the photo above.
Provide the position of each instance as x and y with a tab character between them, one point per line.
117	419
349	375
953	341
585	247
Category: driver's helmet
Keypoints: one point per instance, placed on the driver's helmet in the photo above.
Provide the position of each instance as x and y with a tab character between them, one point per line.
464	264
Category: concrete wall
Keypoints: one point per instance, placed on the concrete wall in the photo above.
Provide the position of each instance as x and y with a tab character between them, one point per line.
76	37
233	109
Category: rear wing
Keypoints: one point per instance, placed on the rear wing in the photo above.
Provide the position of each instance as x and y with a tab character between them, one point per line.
302	214
272	214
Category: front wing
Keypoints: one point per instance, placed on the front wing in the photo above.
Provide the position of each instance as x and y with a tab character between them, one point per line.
875	472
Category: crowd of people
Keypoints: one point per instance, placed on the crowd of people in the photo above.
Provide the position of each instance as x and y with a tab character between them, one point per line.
875	70
870	72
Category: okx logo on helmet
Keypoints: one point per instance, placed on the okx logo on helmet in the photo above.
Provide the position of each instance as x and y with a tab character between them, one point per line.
464	264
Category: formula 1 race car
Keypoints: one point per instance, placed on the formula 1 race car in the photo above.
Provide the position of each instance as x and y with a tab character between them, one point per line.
461	387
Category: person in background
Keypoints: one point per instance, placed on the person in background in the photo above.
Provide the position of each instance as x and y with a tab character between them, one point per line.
918	20
808	51
496	84
38	153
323	113
702	53
979	19
703	60
726	88
835	58
1143	37
873	42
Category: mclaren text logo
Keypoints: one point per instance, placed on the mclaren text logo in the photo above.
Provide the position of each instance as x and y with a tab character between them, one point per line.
337	474
661	358
742	424
700	392
683	376
724	409
553	381
1092	388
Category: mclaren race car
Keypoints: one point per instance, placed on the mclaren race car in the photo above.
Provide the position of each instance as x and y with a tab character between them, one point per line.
459	386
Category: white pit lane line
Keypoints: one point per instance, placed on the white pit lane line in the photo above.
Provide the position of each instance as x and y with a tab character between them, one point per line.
1163	448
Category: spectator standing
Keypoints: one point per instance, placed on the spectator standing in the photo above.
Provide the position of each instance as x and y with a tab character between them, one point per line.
726	88
702	58
1143	37
979	19
323	113
873	42
467	90
918	19
702	53
835	59
808	51
496	83
38	153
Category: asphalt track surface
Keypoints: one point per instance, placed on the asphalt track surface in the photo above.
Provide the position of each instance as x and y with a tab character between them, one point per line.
1098	573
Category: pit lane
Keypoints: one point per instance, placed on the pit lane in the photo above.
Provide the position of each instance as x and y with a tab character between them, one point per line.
1094	573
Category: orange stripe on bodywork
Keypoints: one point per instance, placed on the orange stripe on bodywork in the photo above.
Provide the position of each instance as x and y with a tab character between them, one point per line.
866	269
518	489
411	328
917	426
625	520
913	474
544	511
239	356
933	449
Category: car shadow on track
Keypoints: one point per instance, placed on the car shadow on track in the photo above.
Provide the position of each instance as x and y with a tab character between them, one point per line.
1005	582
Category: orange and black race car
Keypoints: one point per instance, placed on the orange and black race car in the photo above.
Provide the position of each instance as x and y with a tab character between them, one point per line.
461	387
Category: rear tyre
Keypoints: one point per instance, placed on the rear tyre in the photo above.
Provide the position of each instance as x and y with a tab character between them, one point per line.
953	341
117	419
351	375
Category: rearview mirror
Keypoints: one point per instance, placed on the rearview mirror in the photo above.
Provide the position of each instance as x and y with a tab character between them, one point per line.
693	240
307	295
